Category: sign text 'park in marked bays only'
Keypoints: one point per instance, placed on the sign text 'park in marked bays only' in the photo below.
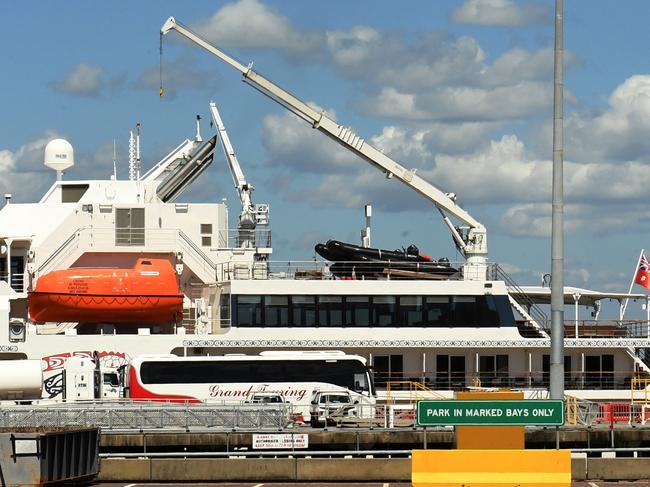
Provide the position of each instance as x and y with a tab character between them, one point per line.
491	412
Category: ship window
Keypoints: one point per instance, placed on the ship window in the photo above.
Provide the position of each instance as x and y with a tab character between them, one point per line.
357	311
465	310
248	310
225	310
206	241
72	193
303	310
206	228
388	368
437	311
129	226
546	371
364	311
410	311
330	310
276	311
450	371
145	262
383	308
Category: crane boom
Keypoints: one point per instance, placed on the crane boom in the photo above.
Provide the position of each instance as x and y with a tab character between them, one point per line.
473	243
244	190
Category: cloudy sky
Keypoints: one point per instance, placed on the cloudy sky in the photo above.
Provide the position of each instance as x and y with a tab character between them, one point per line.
461	90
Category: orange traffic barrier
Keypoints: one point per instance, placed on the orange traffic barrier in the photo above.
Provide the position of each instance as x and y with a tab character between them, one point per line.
491	468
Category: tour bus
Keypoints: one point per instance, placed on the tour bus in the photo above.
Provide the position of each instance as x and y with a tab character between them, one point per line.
296	376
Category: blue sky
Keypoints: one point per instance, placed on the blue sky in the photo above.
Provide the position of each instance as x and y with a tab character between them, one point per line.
460	89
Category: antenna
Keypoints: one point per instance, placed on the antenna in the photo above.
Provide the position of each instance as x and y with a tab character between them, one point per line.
137	151
131	156
114	162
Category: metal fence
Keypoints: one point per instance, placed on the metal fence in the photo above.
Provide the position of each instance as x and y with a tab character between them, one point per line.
150	416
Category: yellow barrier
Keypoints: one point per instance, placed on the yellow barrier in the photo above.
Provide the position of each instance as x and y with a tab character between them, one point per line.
491	468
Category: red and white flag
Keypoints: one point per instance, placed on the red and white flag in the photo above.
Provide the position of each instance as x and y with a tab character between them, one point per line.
643	273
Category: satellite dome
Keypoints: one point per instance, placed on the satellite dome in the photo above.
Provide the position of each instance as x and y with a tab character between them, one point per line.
59	155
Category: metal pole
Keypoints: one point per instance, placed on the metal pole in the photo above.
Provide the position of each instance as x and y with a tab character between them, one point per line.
557	230
621	314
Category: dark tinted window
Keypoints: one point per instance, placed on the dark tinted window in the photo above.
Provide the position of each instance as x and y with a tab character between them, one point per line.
303	310
330	310
337	372
372	311
357	311
276	310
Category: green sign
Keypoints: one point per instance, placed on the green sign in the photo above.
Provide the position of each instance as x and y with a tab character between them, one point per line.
491	412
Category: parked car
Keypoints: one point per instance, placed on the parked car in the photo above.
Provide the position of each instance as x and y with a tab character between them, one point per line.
329	405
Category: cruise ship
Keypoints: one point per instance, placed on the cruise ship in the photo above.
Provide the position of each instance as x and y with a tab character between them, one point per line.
118	268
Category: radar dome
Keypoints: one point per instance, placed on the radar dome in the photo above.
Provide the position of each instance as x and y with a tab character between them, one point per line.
59	155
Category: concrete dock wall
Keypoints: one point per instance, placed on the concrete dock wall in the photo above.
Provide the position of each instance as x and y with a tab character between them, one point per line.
322	469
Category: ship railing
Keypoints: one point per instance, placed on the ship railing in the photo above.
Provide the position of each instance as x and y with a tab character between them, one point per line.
230	239
519	380
186	244
606	329
323	270
17	281
534	311
154	239
63	251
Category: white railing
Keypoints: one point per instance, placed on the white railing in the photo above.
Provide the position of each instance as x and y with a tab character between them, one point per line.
322	270
153	239
17	281
235	238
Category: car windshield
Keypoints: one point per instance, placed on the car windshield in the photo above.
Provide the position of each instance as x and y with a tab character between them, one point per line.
268	399
335	398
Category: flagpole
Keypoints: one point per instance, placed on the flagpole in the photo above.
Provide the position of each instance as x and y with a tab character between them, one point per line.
636	270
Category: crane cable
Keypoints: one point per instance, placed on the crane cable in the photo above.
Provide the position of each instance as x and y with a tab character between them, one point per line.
161	92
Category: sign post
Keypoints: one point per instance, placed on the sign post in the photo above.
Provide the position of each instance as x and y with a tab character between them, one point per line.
491	413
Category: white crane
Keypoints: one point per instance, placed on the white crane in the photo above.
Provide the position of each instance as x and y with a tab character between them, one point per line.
251	215
471	241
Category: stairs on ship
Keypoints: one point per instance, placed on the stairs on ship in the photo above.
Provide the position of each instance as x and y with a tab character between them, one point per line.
534	323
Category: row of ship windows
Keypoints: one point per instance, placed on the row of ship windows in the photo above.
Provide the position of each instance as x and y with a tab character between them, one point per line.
370	311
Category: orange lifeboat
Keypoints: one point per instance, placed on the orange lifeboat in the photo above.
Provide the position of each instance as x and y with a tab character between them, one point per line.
146	293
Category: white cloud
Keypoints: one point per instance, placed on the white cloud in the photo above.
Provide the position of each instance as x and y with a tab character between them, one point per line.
83	80
620	133
293	143
251	24
499	13
424	79
462	103
7	161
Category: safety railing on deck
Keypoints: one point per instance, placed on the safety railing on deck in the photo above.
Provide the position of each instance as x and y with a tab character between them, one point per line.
411	391
17	281
495	272
238	238
322	270
535	379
